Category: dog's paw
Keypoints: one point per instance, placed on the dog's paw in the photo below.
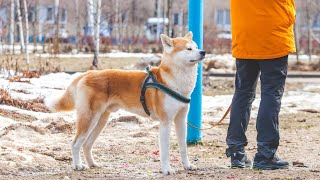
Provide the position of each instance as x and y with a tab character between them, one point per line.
79	167
95	165
168	171
190	167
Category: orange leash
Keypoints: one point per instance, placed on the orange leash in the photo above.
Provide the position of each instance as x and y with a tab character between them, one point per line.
215	124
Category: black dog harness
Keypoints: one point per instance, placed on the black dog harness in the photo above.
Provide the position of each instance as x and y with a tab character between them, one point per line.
154	84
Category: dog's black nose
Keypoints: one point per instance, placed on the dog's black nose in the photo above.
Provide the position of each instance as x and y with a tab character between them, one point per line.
203	53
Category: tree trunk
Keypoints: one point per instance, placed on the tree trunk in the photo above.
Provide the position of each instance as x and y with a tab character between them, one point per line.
117	22
95	62
164	12
57	27
90	24
78	25
180	23
158	21
169	16
134	23
27	32
35	28
20	26
90	17
125	32
11	34
309	22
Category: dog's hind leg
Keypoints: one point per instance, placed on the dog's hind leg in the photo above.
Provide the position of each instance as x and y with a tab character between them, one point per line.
181	131
88	143
85	123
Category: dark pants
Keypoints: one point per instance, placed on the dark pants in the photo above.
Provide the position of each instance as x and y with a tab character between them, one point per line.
273	76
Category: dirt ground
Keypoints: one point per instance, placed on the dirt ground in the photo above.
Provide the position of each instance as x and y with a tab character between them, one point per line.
128	147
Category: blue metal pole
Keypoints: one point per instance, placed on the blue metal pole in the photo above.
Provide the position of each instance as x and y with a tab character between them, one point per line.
195	19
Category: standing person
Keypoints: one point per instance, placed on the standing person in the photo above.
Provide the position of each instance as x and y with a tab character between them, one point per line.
262	38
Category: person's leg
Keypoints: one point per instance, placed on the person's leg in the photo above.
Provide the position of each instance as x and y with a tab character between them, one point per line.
245	89
273	76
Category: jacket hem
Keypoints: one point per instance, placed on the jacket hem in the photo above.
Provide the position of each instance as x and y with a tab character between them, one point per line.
265	56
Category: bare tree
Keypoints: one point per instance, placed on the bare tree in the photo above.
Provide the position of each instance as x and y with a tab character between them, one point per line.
95	62
57	27
90	22
78	25
158	20
27	32
90	17
117	22
180	31
169	16
20	26
34	24
11	36
164	11
309	25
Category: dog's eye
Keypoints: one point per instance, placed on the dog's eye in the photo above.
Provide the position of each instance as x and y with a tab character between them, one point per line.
189	49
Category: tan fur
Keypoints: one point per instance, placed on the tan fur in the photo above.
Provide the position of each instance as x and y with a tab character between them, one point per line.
96	94
180	44
66	102
118	87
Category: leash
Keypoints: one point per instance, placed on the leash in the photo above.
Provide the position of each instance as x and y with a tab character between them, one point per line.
215	124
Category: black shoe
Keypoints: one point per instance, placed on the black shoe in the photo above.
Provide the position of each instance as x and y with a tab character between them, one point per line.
261	162
240	160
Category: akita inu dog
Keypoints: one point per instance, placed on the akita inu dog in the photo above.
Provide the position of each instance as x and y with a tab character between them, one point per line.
96	94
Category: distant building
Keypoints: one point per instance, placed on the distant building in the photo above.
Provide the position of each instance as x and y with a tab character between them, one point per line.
136	21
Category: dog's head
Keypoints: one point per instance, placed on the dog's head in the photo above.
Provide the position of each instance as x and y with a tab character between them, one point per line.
183	50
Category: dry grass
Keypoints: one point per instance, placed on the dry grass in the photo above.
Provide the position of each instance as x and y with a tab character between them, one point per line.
21	91
18	64
60	126
14	127
36	105
47	65
25	77
17	116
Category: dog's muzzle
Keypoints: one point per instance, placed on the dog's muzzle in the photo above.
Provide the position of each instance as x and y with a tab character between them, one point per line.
202	56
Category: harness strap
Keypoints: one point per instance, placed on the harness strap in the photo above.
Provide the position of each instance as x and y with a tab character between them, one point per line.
154	79
142	95
154	84
169	91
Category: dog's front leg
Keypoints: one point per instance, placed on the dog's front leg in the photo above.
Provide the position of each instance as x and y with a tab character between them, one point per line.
181	131
165	147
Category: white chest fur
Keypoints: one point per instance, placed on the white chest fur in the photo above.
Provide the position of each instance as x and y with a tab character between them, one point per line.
181	80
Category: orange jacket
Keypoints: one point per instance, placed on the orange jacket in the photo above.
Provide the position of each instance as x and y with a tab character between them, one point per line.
262	29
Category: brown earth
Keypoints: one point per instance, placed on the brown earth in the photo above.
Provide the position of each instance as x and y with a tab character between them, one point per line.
127	154
128	147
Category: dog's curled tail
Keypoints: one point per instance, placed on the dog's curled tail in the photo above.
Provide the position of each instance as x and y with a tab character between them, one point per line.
62	103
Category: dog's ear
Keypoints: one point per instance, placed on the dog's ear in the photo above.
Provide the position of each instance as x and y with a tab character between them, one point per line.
189	35
167	43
